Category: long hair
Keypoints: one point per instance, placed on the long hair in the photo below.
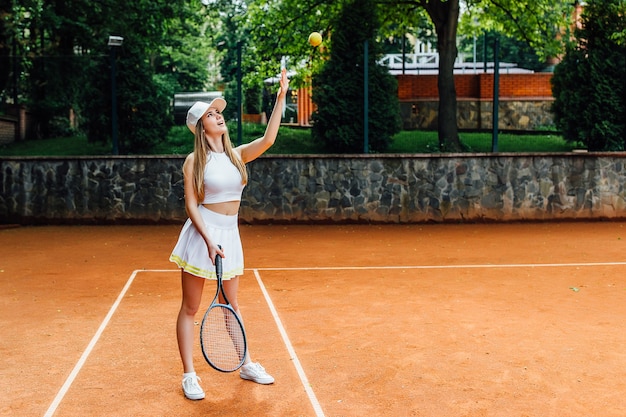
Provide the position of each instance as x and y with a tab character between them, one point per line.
201	151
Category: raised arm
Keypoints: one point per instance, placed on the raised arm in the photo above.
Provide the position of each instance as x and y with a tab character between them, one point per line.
251	151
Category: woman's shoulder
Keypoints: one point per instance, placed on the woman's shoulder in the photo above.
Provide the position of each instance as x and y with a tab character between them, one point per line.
189	160
237	152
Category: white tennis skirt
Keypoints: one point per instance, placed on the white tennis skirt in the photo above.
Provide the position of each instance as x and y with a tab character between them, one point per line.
191	253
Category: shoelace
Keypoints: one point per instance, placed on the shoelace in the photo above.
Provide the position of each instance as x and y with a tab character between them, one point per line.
257	368
191	382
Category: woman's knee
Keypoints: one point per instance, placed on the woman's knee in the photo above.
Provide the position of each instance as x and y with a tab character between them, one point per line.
231	288
234	305
189	308
192	294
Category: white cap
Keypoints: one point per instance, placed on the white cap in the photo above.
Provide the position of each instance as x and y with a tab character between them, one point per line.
200	108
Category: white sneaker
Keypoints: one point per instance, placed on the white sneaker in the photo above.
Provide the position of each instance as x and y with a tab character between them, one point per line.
255	372
191	388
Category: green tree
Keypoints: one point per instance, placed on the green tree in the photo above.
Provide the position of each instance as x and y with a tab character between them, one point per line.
536	22
281	28
231	40
588	85
234	36
338	89
65	68
6	43
511	50
541	25
44	37
164	51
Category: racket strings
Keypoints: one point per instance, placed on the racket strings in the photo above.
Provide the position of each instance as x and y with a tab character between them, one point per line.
223	339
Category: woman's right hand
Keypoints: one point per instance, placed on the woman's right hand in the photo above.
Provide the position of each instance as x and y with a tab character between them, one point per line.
214	250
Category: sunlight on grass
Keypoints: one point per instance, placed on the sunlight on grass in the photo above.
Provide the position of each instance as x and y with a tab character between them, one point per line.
294	140
69	146
428	142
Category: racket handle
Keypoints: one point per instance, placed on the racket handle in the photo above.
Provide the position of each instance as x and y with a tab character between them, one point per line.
218	263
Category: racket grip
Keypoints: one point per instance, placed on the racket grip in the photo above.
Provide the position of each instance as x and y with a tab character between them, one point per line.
218	263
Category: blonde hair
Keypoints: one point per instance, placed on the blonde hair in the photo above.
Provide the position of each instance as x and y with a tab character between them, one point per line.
201	151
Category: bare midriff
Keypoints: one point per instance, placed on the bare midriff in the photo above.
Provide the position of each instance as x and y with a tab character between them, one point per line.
227	208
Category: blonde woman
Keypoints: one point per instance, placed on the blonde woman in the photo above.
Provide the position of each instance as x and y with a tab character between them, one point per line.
214	178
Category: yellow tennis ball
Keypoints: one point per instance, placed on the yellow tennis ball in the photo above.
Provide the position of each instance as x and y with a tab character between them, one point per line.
315	39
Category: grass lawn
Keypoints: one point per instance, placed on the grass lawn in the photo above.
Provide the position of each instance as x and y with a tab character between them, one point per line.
295	141
428	142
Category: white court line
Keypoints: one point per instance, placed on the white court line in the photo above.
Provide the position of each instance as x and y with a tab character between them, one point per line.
466	266
70	379
357	268
305	382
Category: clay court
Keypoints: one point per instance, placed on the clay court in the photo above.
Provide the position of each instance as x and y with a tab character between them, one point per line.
351	320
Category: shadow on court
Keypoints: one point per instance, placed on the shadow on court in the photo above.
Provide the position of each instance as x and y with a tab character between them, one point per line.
419	320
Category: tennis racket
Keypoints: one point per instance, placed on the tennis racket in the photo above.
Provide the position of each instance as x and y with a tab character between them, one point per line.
222	336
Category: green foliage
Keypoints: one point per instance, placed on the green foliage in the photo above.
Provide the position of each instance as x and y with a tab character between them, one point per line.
43	36
63	62
62	58
235	35
142	99
252	99
588	85
338	90
280	30
541	24
289	141
511	50
480	142
294	141
144	115
59	146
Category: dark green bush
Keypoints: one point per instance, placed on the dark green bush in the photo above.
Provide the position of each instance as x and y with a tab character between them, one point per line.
338	89
588	85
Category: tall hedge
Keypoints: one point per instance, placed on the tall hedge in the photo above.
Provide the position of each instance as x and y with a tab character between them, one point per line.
338	90
588	85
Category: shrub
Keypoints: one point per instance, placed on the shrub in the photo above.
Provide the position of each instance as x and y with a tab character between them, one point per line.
588	85
338	88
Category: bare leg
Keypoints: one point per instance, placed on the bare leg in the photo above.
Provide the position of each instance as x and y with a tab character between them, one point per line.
192	287
250	370
231	288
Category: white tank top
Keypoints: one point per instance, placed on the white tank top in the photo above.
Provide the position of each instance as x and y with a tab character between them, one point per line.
222	180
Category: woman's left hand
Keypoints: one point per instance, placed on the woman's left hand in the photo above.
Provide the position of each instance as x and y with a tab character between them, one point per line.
284	83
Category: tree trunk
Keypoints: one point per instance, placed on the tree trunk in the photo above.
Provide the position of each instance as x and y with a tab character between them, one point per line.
445	16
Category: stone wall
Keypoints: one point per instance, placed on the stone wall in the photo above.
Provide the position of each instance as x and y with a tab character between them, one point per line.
91	190
329	189
524	101
476	114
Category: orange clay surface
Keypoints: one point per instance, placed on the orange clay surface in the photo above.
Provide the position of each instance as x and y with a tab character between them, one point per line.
420	320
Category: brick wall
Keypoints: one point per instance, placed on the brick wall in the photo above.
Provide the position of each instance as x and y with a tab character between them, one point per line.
13	127
478	86
525	101
518	86
7	130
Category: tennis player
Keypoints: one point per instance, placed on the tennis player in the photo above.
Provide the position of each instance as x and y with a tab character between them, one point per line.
214	179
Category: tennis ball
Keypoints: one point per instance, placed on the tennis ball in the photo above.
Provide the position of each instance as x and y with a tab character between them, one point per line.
315	39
